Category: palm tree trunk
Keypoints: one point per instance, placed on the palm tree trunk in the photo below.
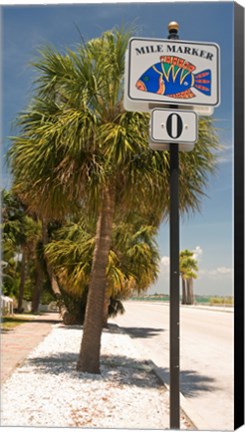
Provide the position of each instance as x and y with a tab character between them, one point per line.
89	357
188	299
183	291
106	306
190	296
37	289
53	282
191	291
22	280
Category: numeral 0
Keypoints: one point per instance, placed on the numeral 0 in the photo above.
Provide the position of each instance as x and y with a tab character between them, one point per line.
174	125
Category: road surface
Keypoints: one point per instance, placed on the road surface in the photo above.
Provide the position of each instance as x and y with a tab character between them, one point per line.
206	354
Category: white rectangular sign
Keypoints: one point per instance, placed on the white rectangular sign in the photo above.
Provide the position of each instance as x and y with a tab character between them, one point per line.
173	126
159	71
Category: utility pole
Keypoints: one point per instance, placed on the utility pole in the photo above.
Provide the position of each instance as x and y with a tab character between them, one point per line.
173	28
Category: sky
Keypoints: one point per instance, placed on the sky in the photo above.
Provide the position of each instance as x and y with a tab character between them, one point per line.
25	28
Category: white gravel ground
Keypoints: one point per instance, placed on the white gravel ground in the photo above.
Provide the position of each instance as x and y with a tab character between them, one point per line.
47	391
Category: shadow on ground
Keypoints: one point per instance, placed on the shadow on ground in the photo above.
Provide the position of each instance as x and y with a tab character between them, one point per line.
191	382
46	320
125	370
119	368
6	330
133	332
142	332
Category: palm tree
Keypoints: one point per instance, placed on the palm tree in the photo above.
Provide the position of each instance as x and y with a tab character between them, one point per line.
23	232
132	264
78	150
188	269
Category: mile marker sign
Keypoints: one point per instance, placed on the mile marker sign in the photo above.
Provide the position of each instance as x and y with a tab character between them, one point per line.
160	71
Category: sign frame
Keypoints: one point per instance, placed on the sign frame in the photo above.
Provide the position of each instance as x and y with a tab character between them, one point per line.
170	140
134	99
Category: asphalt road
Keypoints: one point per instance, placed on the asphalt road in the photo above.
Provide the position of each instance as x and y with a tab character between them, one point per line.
206	355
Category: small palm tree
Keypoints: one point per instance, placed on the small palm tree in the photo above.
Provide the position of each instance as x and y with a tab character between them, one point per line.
188	269
23	232
132	265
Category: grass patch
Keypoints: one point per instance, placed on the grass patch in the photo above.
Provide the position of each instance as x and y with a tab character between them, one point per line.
10	322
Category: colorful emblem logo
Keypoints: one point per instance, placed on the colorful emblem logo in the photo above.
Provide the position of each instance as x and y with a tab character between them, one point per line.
173	77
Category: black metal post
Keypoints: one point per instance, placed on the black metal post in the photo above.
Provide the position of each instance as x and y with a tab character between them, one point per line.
174	288
174	273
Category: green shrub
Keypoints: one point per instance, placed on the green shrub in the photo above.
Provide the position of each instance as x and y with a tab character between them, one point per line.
221	301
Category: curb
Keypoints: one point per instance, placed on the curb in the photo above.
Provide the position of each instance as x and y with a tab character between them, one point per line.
198	422
228	309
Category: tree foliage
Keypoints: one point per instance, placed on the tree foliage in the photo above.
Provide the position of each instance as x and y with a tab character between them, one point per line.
132	264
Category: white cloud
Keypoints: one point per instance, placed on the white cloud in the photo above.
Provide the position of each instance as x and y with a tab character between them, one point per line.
218	273
164	270
223	271
165	260
197	252
225	154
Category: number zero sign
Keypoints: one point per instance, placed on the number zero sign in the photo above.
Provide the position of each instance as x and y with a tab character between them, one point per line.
173	126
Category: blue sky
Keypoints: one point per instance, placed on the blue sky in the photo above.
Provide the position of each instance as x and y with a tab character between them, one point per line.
27	27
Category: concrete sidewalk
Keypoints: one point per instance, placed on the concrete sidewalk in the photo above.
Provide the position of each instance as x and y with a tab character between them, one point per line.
18	342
